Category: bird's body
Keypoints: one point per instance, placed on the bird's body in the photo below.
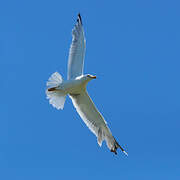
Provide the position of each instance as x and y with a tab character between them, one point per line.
72	86
75	87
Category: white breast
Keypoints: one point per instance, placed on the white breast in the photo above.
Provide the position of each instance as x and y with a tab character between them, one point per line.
73	86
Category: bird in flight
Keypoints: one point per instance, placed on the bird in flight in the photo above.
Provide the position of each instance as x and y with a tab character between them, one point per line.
75	87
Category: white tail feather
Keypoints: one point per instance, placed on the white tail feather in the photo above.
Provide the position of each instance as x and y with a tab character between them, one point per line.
54	80
56	98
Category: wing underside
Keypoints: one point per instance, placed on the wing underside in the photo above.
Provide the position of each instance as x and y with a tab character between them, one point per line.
77	51
91	116
94	120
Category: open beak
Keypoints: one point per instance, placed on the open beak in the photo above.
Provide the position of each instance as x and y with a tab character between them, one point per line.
93	77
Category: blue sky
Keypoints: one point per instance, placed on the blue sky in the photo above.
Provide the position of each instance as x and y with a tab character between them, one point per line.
133	43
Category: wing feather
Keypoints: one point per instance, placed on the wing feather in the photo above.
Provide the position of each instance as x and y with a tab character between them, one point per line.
91	116
94	120
77	51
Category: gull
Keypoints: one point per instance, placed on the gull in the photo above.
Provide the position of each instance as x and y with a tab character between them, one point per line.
75	87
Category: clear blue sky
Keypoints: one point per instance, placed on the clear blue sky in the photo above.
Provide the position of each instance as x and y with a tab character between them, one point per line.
133	43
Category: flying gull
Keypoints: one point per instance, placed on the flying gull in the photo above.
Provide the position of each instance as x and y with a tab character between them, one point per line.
75	87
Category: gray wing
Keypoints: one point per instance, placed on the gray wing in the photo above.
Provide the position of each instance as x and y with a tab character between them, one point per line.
90	115
94	120
77	51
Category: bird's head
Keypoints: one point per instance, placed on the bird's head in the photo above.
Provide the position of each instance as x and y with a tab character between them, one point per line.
86	78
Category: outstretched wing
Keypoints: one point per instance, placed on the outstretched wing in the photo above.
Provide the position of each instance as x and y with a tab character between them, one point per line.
77	51
89	114
94	120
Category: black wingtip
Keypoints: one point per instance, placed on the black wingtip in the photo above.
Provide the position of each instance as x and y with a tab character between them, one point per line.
79	20
118	146
114	151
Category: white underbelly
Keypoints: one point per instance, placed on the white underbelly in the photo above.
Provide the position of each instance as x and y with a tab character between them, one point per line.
72	87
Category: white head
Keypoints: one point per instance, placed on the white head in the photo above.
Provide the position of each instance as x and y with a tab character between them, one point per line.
86	77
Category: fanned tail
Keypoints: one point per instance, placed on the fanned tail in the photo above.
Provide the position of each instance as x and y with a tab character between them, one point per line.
56	96
54	80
